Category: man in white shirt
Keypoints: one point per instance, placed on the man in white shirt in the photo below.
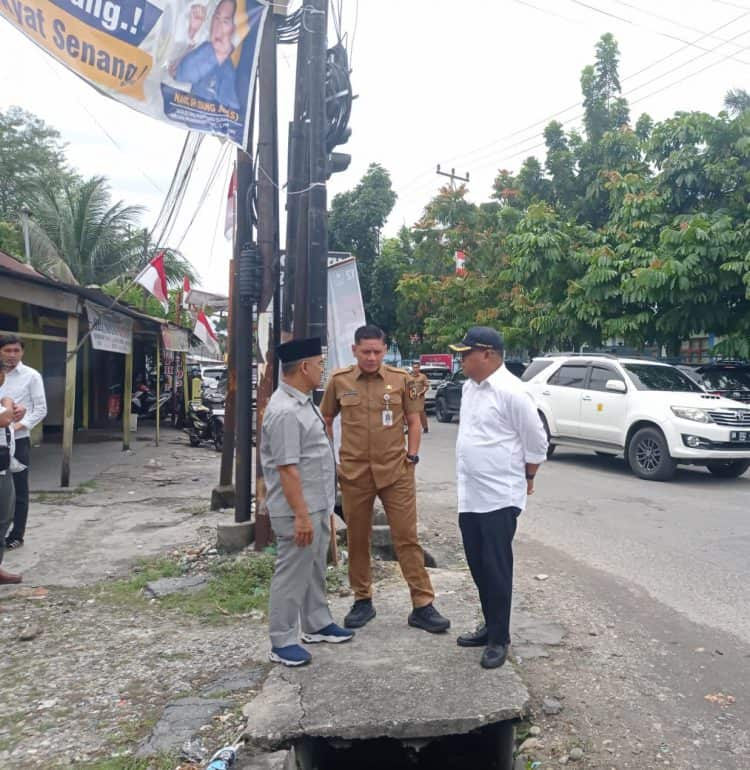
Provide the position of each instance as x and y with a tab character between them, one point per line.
501	443
24	385
7	493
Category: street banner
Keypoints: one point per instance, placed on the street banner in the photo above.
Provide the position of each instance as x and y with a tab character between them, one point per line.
346	313
175	339
190	63
109	330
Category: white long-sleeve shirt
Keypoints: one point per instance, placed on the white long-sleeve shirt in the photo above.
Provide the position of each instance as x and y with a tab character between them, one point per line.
4	440
24	385
500	431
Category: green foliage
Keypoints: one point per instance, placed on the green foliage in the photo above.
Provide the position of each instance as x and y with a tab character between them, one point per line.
78	234
11	239
355	221
640	234
31	157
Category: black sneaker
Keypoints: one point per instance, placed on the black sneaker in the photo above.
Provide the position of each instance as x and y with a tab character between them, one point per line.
11	543
495	655
476	638
428	619
362	612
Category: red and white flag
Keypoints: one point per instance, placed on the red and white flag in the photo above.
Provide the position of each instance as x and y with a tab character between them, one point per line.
231	206
206	333
154	279
185	291
460	263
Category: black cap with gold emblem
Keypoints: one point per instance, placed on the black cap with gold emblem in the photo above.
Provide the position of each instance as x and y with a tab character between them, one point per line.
481	337
296	350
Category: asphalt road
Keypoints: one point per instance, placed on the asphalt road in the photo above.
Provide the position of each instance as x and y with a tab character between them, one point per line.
684	542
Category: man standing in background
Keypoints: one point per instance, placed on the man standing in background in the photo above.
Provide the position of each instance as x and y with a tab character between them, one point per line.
423	386
25	387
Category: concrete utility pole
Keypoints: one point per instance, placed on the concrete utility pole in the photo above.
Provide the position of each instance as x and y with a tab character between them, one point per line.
247	291
295	263
316	22
268	245
453	176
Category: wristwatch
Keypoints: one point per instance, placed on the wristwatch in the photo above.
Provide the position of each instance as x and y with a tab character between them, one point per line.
413	459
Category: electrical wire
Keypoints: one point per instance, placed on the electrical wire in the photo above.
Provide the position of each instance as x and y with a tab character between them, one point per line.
661	33
58	75
544	121
218	162
176	194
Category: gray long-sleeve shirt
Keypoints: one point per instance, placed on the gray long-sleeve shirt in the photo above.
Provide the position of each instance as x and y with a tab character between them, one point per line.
294	433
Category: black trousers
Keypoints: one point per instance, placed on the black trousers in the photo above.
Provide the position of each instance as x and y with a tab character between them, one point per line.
21	483
488	544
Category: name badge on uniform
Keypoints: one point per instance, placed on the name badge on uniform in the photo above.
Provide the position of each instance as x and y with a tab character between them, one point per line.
387	411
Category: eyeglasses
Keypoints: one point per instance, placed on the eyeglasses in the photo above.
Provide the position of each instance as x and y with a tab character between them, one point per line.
467	353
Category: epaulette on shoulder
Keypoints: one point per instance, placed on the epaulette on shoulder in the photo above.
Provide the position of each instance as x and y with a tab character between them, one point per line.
397	370
343	370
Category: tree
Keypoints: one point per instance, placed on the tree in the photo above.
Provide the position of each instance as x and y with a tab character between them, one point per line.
79	236
31	156
356	219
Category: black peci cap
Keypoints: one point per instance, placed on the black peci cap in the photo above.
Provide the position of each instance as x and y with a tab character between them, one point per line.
480	337
296	350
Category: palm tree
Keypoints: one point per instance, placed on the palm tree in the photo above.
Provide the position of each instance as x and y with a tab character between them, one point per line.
79	236
736	101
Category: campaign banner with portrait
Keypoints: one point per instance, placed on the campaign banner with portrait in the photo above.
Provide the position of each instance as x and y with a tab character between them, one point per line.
191	63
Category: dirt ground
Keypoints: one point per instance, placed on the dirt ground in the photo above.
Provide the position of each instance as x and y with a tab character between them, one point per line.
91	667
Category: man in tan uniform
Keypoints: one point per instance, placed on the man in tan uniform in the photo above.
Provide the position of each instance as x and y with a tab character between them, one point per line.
423	386
372	399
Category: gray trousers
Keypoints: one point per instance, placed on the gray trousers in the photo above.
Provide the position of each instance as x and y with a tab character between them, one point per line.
298	587
7	507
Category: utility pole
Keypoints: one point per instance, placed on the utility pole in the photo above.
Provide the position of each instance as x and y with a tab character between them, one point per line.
246	261
453	176
295	261
268	246
222	496
316	22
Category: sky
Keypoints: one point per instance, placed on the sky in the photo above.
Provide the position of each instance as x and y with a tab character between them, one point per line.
469	85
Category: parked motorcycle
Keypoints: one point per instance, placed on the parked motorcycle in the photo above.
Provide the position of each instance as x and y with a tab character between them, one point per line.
205	420
143	403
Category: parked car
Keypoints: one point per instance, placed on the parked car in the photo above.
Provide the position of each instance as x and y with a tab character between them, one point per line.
448	393
435	374
727	379
648	411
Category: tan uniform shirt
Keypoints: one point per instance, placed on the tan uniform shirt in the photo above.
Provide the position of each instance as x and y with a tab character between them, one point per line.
422	383
372	408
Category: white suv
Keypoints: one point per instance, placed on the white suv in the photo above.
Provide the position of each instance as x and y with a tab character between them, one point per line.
648	411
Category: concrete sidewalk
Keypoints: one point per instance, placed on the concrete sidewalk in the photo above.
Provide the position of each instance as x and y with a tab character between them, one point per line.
94	451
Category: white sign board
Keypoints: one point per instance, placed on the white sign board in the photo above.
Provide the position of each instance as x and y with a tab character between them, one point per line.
346	313
109	330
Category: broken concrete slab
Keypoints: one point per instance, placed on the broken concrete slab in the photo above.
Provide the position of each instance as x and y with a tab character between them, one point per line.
390	681
189	584
236	680
179	721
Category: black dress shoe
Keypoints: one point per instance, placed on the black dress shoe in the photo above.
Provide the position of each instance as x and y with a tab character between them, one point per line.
495	655
476	638
428	619
361	612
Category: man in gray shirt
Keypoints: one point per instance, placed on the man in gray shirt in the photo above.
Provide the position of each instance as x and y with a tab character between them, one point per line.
300	474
